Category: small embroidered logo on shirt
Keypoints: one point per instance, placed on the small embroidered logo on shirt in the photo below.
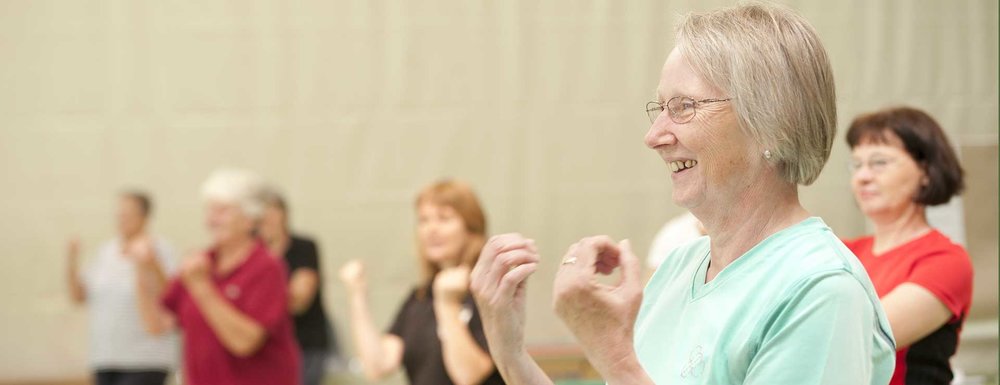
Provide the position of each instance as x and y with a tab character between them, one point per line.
695	364
232	291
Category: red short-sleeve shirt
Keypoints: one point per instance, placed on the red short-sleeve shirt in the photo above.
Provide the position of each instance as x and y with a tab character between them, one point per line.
937	264
257	288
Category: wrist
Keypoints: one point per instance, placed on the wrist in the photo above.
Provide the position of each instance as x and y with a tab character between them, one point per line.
198	287
620	366
447	303
516	361
357	291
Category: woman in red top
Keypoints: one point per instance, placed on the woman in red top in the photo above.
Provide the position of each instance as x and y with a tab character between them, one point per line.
901	162
230	301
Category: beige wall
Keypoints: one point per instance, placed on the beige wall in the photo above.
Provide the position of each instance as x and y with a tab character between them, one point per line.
352	106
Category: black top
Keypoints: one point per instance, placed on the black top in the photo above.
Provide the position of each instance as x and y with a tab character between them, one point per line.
927	360
422	356
310	326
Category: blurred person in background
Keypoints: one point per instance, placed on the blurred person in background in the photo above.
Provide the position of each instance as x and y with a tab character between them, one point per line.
121	352
437	336
676	232
231	300
901	163
305	287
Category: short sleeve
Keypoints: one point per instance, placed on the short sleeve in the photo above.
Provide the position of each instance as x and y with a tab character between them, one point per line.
947	275
171	298
306	256
825	333
266	299
398	327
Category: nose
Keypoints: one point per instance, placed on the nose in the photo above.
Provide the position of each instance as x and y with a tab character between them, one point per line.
863	174
660	133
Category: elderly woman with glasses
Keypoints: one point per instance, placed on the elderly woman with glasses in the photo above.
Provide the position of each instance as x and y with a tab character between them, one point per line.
901	163
771	295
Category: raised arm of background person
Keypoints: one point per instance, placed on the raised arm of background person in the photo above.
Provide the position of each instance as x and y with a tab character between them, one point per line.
77	292
304	281
151	282
380	353
464	360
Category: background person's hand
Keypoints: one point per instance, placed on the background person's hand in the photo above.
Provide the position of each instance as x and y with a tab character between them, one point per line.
452	284
498	286
141	250
353	275
601	316
195	269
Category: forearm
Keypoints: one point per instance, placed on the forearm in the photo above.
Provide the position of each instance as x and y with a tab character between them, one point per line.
367	338
148	291
151	277
464	360
77	292
239	334
626	371
520	369
302	289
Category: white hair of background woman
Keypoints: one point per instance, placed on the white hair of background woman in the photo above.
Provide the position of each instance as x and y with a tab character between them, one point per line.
243	187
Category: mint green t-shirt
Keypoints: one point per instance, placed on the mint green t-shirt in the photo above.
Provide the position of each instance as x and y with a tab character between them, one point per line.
797	309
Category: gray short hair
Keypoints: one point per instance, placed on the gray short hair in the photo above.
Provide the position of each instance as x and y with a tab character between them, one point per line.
771	62
242	187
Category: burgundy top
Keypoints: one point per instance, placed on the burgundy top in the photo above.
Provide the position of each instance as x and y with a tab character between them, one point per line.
257	288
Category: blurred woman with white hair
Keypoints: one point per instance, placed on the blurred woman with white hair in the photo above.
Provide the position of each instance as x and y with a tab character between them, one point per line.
230	299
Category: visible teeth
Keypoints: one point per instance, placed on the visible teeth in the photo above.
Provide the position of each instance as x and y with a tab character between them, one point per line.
679	165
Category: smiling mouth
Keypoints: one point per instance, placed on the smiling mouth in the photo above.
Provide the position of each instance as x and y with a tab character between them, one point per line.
681	165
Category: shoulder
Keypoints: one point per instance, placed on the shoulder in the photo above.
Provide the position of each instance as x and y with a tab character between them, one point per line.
833	283
413	300
816	251
109	246
829	295
300	247
261	261
934	251
936	243
938	252
816	265
303	241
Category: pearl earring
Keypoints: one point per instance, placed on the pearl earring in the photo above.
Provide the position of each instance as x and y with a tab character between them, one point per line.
767	154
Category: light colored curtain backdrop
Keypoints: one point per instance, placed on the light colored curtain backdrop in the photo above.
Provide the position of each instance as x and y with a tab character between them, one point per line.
352	106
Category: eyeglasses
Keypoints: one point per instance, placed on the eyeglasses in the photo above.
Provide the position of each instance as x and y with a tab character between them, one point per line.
876	164
680	108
